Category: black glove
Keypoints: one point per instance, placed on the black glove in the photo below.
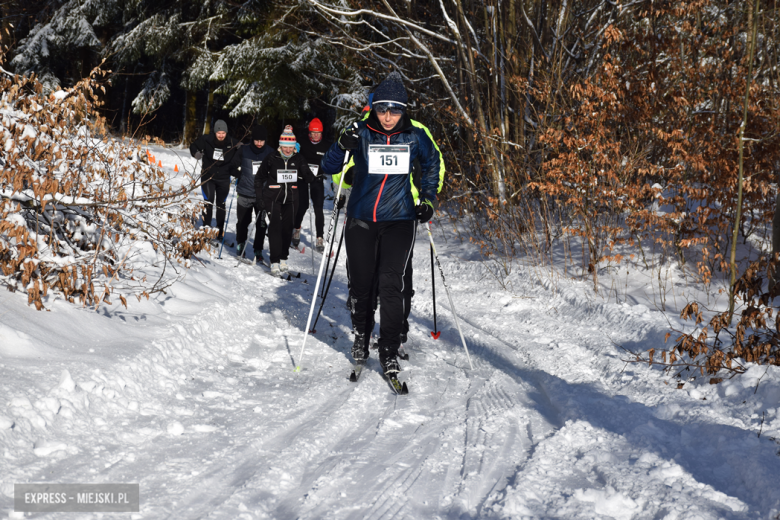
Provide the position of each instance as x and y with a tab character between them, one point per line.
199	156
424	210
349	176
342	201
319	176
349	138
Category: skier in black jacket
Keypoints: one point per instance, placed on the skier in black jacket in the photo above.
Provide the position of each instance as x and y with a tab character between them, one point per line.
217	151
312	150
276	183
250	158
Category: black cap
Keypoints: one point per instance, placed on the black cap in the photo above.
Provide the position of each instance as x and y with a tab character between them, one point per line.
391	90
259	133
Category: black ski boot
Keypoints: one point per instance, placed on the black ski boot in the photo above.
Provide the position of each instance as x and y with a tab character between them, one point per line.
360	348
388	358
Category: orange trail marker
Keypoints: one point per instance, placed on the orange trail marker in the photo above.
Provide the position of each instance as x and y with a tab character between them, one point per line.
176	168
159	164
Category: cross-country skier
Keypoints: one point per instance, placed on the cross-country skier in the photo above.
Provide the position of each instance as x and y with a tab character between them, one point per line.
381	212
217	151
348	176
312	149
251	156
276	183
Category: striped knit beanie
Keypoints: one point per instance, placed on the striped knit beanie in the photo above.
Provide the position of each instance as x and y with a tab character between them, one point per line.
288	137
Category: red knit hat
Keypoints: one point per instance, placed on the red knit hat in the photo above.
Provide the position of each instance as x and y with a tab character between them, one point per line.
315	125
288	137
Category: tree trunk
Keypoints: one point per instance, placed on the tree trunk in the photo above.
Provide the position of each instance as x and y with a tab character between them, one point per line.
6	31
209	111
752	26
190	117
123	118
486	144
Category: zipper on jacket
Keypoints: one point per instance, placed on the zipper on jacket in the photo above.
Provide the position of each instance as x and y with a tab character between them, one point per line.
382	187
285	184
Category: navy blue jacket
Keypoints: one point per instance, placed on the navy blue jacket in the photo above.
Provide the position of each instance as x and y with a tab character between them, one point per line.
384	197
250	157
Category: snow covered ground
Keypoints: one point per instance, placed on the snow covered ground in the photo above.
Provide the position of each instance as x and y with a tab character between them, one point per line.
193	396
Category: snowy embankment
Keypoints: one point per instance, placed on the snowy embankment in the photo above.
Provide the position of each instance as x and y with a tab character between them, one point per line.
193	395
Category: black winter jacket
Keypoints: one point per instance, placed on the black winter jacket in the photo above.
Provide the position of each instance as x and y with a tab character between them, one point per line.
313	153
218	157
267	181
249	159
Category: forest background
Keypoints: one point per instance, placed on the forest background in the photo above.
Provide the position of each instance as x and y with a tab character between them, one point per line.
608	131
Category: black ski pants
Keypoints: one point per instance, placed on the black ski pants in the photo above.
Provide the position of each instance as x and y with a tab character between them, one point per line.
216	193
280	229
378	254
317	190
408	292
245	208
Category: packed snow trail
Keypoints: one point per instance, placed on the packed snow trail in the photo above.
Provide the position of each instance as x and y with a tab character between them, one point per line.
193	395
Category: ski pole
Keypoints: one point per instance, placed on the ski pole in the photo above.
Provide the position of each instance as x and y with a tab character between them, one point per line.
311	239
249	233
327	265
435	333
322	263
227	218
443	281
326	288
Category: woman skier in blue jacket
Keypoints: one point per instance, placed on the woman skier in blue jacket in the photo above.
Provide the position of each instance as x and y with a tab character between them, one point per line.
381	212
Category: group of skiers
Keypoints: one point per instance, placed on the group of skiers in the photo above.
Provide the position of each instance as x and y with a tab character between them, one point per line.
268	184
393	174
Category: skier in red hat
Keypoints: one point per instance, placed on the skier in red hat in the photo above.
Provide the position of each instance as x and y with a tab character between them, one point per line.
312	150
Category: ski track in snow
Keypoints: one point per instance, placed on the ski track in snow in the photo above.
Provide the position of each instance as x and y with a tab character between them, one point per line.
193	395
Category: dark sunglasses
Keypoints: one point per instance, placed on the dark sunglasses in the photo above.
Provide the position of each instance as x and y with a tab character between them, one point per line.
382	109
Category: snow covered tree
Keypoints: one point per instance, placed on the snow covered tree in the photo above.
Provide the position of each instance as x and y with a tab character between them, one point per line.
164	40
61	49
276	74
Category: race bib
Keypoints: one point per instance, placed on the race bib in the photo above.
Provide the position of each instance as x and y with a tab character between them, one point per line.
314	169
217	156
286	176
256	166
385	159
